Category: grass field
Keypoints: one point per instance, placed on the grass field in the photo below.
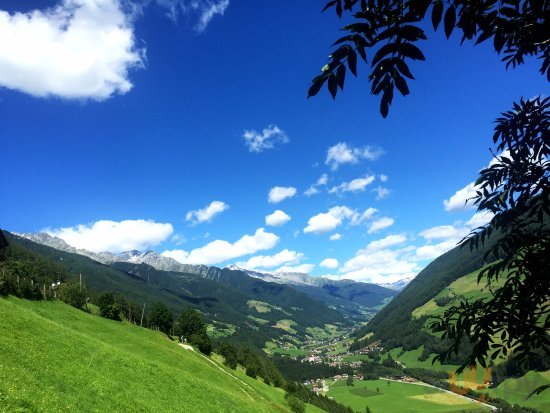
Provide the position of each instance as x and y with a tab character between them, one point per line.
516	391
466	286
56	358
382	397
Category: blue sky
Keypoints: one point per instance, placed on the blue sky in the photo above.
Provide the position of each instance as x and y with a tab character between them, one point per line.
166	126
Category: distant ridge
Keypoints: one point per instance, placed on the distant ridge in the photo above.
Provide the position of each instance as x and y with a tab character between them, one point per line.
351	298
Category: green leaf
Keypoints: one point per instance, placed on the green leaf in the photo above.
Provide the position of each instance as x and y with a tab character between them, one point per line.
403	68
316	85
437	13
352	62
450	20
332	86
411	51
401	84
341	76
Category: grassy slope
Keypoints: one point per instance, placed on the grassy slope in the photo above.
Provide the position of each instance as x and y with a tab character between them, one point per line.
56	358
399	397
513	390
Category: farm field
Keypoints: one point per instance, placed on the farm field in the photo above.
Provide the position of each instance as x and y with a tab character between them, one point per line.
382	397
56	358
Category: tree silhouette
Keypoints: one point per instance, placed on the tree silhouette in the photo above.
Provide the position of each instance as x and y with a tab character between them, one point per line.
515	188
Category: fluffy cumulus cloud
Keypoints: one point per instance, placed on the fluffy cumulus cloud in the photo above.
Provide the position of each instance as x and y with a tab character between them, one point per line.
460	201
355	185
380	224
479	219
277	218
268	138
280	193
335	237
202	11
80	49
443	238
207	213
114	236
314	189
389	241
328	221
444	232
219	251
342	153
379	263
285	257
330	263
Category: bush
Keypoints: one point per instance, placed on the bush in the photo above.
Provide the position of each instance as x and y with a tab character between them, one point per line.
73	295
296	405
203	342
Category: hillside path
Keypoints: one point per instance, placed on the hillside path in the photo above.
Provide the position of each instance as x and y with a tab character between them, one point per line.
190	348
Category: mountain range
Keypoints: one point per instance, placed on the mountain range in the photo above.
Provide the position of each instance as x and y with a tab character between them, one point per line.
350	297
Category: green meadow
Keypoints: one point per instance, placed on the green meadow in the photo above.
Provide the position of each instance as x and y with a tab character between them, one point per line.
56	358
382	397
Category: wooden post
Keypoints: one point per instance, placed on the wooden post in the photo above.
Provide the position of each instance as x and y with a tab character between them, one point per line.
142	314
80	276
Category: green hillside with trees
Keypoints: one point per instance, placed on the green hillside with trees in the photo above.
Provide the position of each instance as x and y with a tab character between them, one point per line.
56	358
222	301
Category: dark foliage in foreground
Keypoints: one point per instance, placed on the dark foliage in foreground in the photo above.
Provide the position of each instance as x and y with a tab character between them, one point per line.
387	33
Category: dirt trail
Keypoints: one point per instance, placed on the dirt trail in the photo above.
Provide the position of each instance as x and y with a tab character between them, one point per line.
190	348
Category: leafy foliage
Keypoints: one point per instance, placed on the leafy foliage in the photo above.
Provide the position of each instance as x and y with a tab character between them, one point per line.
190	325
516	189
28	275
386	34
161	317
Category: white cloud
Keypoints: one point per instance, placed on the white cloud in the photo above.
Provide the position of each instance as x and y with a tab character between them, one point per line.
269	138
219	251
314	189
448	236
389	241
280	193
335	237
328	221
356	185
380	224
383	178
277	218
114	236
207	213
444	232
323	180
460	200
209	10
382	193
203	11
341	153
330	263
80	49
304	268
379	266
269	261
431	251
479	219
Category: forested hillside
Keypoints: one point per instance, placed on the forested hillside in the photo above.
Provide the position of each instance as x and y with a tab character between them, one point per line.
230	298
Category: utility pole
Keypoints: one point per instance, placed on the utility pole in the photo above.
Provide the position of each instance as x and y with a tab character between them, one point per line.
80	281
142	314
